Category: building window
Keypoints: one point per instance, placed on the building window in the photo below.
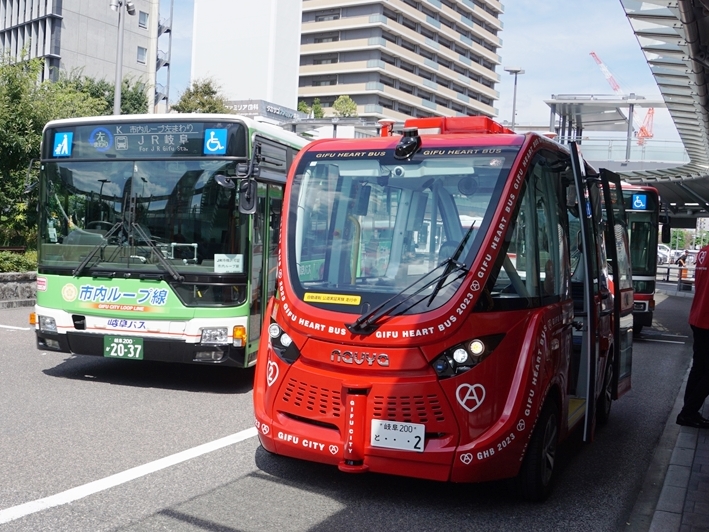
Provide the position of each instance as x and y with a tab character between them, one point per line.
326	37
323	81
142	55
389	37
387	104
408	45
326	59
409	23
405	87
405	109
386	80
389	59
143	20
407	66
330	14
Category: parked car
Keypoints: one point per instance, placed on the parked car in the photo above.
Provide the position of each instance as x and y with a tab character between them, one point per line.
663	254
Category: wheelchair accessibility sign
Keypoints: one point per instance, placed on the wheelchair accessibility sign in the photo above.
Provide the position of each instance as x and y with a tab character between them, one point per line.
214	142
639	202
62	144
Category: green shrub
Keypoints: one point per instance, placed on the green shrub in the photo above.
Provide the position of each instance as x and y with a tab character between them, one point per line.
18	262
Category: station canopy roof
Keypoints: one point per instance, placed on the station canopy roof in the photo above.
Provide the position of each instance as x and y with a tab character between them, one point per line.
598	112
674	35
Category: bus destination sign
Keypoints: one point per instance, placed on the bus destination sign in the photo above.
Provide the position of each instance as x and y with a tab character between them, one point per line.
149	139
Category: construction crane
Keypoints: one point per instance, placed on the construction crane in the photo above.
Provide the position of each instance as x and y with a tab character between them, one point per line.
644	130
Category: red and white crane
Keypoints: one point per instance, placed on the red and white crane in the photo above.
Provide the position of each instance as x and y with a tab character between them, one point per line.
644	130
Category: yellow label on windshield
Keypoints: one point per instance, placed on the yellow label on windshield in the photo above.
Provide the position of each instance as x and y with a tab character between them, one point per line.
338	299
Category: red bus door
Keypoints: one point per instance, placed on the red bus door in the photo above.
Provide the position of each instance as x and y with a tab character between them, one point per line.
619	259
589	318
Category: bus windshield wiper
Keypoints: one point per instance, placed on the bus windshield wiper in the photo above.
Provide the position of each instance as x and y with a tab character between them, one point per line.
98	247
143	236
452	263
156	250
367	323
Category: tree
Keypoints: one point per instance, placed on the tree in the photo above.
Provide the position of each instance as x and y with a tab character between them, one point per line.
679	239
317	109
202	97
26	105
345	106
303	108
134	97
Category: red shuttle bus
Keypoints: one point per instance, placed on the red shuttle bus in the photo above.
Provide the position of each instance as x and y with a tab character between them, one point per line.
642	205
445	307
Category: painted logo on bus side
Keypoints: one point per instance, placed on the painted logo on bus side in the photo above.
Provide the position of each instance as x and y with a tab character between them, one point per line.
355	357
470	396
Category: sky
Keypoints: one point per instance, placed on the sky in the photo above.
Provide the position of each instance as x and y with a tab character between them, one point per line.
550	39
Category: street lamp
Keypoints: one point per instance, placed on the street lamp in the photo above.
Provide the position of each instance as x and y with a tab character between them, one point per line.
514	71
118	5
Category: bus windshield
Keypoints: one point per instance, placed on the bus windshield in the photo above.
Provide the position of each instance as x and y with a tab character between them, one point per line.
365	227
134	210
642	208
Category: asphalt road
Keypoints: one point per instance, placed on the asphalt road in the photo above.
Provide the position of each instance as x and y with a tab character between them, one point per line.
92	444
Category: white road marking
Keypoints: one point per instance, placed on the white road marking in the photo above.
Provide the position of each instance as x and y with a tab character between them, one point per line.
15	328
80	492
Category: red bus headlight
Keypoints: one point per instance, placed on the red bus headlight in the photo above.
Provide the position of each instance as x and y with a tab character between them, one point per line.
465	356
282	344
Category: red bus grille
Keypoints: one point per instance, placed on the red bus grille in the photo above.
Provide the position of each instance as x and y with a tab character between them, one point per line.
409	408
312	398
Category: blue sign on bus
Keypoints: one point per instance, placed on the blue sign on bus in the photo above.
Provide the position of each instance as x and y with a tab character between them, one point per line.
639	202
62	144
215	141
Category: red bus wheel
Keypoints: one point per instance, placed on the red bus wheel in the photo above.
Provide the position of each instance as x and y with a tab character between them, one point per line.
605	400
536	475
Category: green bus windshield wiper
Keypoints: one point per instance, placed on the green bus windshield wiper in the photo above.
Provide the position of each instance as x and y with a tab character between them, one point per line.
98	247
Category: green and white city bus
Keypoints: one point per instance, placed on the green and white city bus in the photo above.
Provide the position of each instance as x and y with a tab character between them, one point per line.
158	235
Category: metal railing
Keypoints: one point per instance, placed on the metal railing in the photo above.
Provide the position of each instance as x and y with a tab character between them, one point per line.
683	276
613	149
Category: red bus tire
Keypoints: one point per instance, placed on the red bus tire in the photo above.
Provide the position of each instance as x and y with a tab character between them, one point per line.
534	481
605	400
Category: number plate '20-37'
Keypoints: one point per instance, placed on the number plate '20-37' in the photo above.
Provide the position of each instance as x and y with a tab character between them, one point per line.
122	347
398	435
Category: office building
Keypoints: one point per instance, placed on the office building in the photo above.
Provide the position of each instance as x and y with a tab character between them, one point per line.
81	36
401	58
249	49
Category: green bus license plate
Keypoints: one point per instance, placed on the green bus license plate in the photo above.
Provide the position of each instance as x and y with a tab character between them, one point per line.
123	347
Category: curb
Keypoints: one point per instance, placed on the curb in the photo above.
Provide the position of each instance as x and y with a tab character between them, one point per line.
667	516
18	303
647	514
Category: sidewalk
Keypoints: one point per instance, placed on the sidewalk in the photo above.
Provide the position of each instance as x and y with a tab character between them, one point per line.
684	500
674	496
683	503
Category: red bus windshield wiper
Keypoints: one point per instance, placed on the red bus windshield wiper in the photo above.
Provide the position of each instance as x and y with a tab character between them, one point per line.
367	323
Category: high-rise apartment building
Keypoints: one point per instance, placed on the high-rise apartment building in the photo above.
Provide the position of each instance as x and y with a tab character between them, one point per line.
402	58
81	36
